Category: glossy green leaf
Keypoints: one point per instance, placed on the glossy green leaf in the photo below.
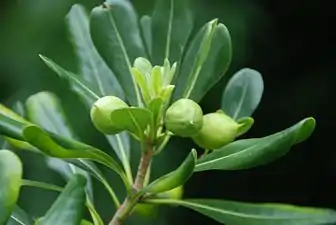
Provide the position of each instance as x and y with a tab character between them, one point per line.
11	128
175	178
116	35
200	58
248	153
156	107
42	185
50	146
141	81
167	92
237	213
132	119
37	184
96	173
146	33
205	61
77	84
243	93
82	222
68	209
216	64
19	217
54	145
10	183
85	222
245	125
168	72
143	65
156	80
18	108
67	170
172	24
11	114
91	65
4	111
121	145
95	71
44	109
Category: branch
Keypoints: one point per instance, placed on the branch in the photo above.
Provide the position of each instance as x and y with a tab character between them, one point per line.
128	205
143	168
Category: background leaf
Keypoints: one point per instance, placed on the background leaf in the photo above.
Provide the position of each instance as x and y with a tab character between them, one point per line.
91	65
116	35
237	213
10	183
243	93
4	111
77	83
172	24
207	69
95	71
216	64
19	217
68	209
44	109
146	33
248	153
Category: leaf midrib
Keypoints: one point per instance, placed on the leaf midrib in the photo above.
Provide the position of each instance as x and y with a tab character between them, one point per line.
124	52
17	220
250	148
78	22
198	206
240	103
170	23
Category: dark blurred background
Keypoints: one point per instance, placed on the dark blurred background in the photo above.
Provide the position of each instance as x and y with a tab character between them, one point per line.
292	44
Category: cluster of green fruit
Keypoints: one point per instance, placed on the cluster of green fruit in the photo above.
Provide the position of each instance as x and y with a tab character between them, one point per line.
183	118
210	131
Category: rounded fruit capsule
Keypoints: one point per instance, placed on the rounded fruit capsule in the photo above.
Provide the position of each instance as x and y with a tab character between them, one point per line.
184	118
146	210
149	210
175	193
218	130
101	114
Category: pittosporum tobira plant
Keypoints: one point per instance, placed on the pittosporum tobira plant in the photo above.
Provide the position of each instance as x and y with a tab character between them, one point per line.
142	80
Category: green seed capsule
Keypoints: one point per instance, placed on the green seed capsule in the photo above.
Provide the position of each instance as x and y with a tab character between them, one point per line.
149	210
176	193
218	130
101	114
146	210
184	118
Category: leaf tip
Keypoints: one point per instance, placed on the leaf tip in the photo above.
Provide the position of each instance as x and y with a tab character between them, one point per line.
194	154
310	123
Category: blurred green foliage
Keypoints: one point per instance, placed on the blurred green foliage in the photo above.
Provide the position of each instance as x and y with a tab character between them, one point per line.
31	27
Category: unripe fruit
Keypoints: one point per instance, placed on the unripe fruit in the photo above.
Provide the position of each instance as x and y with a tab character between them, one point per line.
101	114
175	193
184	118
149	210
146	210
218	130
